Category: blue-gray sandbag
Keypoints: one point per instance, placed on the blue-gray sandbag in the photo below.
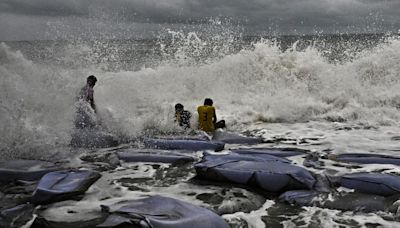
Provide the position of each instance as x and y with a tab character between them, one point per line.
372	183
153	156
180	144
298	197
364	158
233	138
278	152
162	212
26	170
342	201
272	174
355	201
62	185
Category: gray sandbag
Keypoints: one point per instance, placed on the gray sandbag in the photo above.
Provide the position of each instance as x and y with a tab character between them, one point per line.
157	156
272	174
342	201
278	152
92	138
162	212
26	170
182	144
233	138
372	183
212	159
62	185
356	202
364	158
16	216
298	197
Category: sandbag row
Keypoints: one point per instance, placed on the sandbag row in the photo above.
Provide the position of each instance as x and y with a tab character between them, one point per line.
268	170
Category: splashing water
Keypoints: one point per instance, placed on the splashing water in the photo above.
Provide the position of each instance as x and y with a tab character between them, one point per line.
249	83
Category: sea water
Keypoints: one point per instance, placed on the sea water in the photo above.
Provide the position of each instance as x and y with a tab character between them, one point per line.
328	94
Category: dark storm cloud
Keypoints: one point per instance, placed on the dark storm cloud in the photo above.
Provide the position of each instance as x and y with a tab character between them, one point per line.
287	15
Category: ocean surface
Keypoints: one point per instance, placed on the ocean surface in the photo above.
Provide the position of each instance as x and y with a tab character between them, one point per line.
328	94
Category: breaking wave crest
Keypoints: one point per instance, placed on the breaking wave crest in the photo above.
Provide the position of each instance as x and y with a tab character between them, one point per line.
257	82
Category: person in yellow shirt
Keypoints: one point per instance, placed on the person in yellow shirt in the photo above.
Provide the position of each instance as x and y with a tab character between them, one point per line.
208	118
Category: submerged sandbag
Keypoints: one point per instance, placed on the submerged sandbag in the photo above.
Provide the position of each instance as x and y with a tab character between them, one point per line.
181	144
298	197
342	201
162	212
270	173
364	158
356	202
278	152
232	138
158	156
92	138
16	216
372	183
26	170
62	185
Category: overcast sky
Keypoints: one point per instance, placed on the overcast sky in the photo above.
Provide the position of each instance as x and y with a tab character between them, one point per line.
59	19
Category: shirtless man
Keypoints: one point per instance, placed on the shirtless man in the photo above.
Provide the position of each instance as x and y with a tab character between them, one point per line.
86	108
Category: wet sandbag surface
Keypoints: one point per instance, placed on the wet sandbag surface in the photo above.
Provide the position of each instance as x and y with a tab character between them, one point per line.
372	183
272	174
278	152
357	202
16	216
88	138
298	197
362	158
26	170
163	212
182	144
157	156
232	138
62	185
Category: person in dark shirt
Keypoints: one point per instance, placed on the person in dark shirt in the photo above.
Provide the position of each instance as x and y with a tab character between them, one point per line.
182	117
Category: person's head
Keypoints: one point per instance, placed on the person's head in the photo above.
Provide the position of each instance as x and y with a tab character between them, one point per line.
178	107
208	101
91	80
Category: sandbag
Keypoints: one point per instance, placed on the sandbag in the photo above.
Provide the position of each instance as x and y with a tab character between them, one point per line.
342	201
212	159
372	183
298	197
92	138
62	185
157	156
356	202
278	152
26	170
179	144
162	212
272	174
363	158
232	138
16	216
